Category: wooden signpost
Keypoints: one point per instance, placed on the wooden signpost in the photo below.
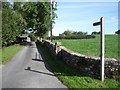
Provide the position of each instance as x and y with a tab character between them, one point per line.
101	23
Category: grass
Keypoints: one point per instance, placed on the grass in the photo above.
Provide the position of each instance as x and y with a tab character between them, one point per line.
71	77
92	46
7	53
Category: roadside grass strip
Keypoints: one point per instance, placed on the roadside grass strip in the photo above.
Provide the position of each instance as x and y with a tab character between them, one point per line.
8	52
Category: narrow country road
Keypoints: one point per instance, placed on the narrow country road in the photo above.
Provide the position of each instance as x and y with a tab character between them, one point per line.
27	69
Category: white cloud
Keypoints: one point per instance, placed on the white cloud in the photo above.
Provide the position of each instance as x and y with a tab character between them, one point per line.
80	6
114	19
62	0
55	32
84	6
60	27
111	20
69	23
87	0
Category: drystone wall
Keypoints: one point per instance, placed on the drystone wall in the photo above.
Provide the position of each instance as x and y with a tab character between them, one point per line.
88	64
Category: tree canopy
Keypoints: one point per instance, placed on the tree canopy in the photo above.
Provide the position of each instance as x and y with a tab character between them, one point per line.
37	15
93	33
71	33
12	24
21	16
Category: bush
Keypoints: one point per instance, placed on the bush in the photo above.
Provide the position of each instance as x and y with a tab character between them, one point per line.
72	37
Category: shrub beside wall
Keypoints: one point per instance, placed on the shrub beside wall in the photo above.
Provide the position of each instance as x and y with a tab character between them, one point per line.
88	64
72	37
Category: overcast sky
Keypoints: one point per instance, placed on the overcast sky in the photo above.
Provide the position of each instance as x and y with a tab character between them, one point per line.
80	16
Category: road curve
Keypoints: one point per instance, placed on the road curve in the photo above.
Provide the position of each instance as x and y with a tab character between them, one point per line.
28	70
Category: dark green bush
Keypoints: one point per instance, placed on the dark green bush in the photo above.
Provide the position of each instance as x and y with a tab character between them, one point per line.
72	37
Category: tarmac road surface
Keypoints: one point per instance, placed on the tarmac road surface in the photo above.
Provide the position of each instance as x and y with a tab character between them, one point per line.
27	69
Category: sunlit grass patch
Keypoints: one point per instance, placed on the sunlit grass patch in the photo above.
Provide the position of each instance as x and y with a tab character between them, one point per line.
9	52
92	46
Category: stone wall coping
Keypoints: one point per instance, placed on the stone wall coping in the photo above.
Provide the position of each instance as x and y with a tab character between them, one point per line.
86	56
86	63
58	43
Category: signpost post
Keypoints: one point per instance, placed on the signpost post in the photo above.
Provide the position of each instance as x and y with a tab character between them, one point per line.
101	23
51	20
52	2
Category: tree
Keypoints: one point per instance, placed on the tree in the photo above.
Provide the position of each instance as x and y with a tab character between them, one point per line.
67	32
12	24
22	16
117	32
72	33
37	15
80	33
95	33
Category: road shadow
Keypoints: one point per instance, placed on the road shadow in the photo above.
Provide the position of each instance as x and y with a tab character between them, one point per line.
38	60
25	43
61	74
66	70
30	44
44	59
32	47
29	69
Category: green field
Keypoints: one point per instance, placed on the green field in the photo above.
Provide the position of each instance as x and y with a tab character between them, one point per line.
73	78
8	52
92	46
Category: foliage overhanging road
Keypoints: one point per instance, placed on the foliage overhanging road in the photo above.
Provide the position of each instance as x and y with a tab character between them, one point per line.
27	69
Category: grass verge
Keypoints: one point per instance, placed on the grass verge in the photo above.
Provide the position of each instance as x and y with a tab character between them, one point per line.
71	77
7	53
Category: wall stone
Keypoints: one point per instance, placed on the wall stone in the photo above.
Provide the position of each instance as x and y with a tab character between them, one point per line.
89	64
